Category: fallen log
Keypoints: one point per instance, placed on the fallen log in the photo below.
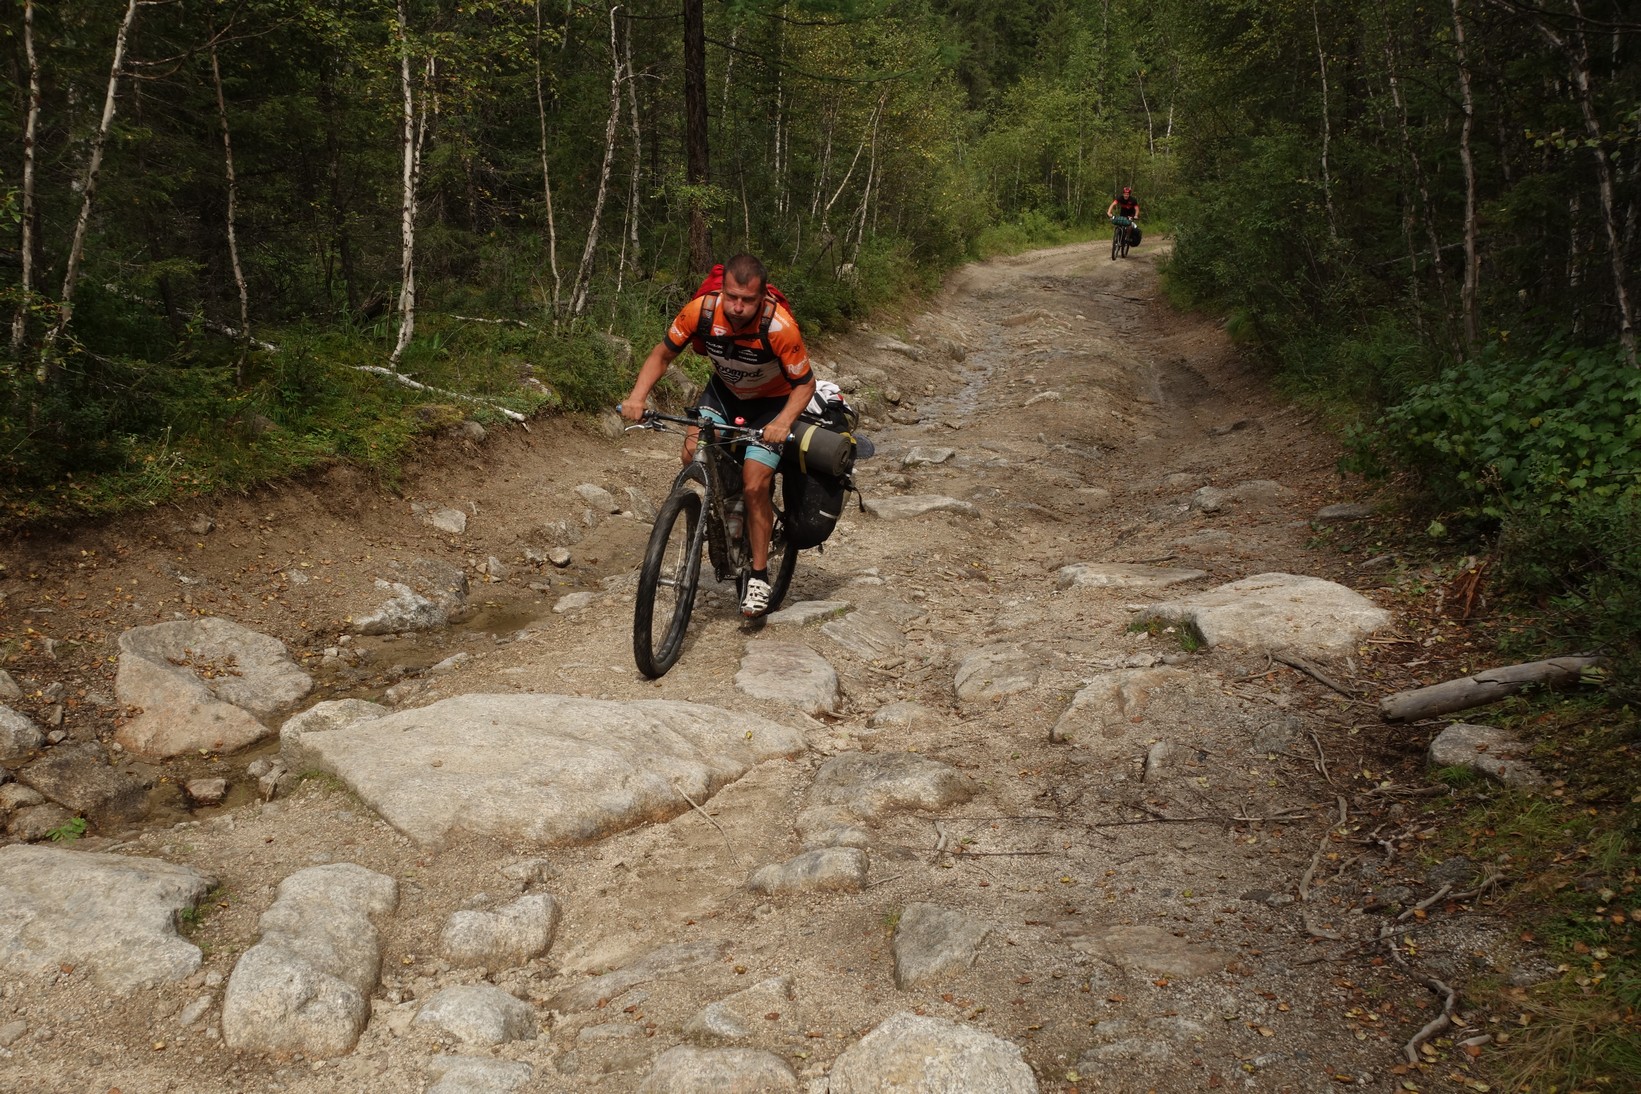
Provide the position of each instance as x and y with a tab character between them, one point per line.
1481	688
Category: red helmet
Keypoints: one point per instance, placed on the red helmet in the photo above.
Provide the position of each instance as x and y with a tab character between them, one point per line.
1127	190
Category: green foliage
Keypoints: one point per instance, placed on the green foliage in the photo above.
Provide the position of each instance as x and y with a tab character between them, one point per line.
68	831
1500	435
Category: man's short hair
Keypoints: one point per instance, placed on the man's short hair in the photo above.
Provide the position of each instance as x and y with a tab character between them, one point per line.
747	269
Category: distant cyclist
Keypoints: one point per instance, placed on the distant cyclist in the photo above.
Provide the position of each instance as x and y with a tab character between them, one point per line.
1124	204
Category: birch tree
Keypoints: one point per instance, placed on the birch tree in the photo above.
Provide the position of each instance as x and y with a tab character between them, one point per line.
88	193
584	273
19	323
410	140
244	332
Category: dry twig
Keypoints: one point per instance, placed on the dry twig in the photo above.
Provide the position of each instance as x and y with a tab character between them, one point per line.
727	841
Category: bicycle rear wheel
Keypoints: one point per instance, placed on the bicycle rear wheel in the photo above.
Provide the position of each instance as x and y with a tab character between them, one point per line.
667	583
783	557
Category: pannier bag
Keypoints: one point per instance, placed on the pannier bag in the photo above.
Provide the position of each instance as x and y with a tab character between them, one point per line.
1134	236
814	503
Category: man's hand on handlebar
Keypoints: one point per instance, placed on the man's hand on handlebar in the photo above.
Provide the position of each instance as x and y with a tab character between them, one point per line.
632	409
776	433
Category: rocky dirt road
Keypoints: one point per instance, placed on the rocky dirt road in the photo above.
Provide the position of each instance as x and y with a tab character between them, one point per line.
1133	863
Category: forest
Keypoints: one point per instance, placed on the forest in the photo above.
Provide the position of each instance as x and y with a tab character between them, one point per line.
244	237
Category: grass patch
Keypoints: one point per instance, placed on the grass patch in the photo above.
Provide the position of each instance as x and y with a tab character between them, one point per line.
1573	856
1184	634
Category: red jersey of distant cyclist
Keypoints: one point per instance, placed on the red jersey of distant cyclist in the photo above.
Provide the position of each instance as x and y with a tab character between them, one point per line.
740	360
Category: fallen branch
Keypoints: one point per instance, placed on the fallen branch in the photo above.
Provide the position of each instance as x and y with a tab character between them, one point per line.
1322	761
1482	688
401	378
1316	860
497	322
1294	661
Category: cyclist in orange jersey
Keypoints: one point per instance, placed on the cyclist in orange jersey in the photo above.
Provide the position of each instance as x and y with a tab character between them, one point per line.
760	377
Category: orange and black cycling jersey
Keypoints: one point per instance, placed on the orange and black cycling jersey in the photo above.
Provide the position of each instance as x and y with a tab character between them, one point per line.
752	364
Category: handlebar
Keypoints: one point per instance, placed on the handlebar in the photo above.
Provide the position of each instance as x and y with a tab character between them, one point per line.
654	419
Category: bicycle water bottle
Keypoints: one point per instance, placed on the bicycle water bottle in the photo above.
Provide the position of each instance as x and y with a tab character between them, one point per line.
734	518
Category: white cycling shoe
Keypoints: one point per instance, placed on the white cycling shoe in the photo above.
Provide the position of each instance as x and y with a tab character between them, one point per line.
756	600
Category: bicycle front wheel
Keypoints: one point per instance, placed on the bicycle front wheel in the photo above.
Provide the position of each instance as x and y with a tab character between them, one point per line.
667	582
1116	243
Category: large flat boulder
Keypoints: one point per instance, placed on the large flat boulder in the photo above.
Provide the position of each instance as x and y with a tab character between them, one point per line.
545	769
113	915
203	683
1278	612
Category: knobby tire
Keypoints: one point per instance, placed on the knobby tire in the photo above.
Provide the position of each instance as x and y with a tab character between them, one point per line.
667	581
783	557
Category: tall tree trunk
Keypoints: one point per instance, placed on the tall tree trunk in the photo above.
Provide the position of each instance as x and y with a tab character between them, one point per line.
584	273
19	323
633	199
407	202
233	212
1150	130
1472	261
1575	47
1420	181
697	162
88	191
546	176
1327	127
871	177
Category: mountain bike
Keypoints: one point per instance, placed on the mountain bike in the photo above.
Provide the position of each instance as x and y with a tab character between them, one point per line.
1119	237
703	513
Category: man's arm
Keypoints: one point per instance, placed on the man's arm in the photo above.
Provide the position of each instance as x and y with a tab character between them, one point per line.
654	367
778	430
1112	208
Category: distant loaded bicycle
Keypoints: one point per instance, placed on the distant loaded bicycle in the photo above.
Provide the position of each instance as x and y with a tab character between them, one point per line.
1121	236
702	513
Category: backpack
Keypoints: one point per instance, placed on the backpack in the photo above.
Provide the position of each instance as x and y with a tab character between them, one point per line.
711	287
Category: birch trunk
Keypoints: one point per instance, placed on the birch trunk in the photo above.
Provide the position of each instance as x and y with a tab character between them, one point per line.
546	176
631	239
407	204
233	212
1327	127
584	273
1472	260
1576	48
19	324
871	177
1421	183
88	191
1150	130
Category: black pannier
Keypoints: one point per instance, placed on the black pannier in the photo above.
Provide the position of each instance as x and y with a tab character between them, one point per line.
813	503
1134	236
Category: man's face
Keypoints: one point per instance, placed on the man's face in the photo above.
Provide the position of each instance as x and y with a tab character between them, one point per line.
740	302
